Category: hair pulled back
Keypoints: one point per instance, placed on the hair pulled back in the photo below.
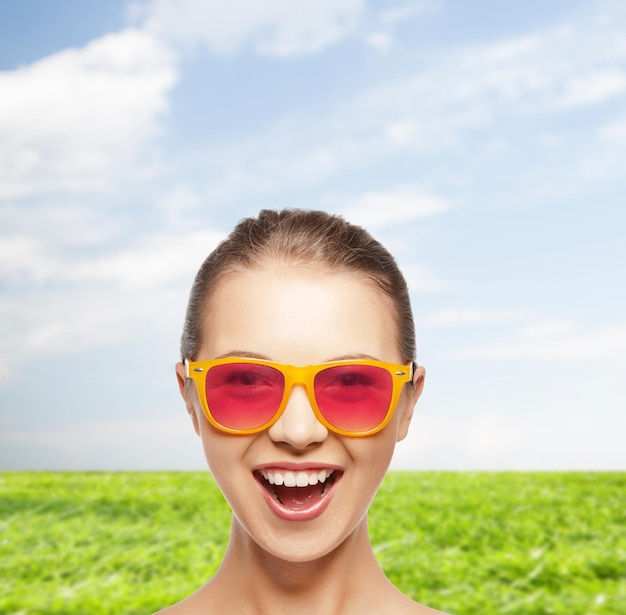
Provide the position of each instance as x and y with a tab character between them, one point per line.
302	238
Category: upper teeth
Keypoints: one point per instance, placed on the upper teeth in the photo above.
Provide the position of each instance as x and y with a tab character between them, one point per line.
296	479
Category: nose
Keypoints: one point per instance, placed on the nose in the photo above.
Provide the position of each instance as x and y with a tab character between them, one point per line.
298	426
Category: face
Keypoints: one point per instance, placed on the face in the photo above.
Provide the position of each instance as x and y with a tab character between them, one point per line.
299	317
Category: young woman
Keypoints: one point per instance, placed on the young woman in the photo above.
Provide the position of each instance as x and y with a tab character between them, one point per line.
298	374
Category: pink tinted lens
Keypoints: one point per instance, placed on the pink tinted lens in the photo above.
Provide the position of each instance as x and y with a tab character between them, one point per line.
354	397
243	395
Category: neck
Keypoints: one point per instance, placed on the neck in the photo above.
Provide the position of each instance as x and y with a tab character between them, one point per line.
346	580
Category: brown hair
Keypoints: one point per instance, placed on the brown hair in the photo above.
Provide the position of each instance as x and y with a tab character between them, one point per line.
306	238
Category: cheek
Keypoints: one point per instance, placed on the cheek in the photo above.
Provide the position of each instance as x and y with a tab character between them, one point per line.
370	468
219	463
211	440
374	454
402	418
214	451
224	453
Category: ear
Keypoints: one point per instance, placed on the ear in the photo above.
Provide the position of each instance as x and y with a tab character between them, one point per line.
186	394
414	393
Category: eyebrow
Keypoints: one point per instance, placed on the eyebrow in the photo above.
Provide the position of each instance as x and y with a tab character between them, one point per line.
357	357
244	355
257	355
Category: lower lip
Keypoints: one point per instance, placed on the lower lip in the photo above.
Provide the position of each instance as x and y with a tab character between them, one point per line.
301	514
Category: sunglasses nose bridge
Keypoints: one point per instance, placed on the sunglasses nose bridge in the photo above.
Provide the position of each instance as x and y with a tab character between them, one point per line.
299	376
297	423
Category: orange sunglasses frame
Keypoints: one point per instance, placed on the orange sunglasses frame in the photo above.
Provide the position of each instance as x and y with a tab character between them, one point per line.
305	375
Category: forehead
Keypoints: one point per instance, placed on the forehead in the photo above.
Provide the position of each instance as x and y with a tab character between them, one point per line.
298	315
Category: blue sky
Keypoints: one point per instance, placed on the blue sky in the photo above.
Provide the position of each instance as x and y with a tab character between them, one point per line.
483	142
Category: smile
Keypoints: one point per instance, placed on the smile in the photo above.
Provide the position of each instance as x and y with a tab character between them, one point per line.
297	495
296	479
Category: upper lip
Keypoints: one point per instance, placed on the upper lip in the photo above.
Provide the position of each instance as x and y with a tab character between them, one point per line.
297	467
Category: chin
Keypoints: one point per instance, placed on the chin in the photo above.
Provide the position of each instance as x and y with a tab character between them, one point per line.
307	542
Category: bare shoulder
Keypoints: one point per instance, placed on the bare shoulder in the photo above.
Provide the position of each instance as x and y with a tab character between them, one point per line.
420	609
410	607
424	610
175	609
188	606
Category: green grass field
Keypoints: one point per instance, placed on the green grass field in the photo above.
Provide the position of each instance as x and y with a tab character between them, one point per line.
466	543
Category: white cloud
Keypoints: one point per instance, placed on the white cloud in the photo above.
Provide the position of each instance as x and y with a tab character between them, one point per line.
501	441
614	130
379	40
568	66
59	222
75	119
474	316
381	37
426	116
21	254
179	205
72	305
385	208
49	323
402	12
113	445
150	262
547	329
402	131
276	27
604	343
421	279
593	88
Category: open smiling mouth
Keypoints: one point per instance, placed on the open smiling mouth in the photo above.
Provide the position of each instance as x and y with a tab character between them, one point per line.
298	491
